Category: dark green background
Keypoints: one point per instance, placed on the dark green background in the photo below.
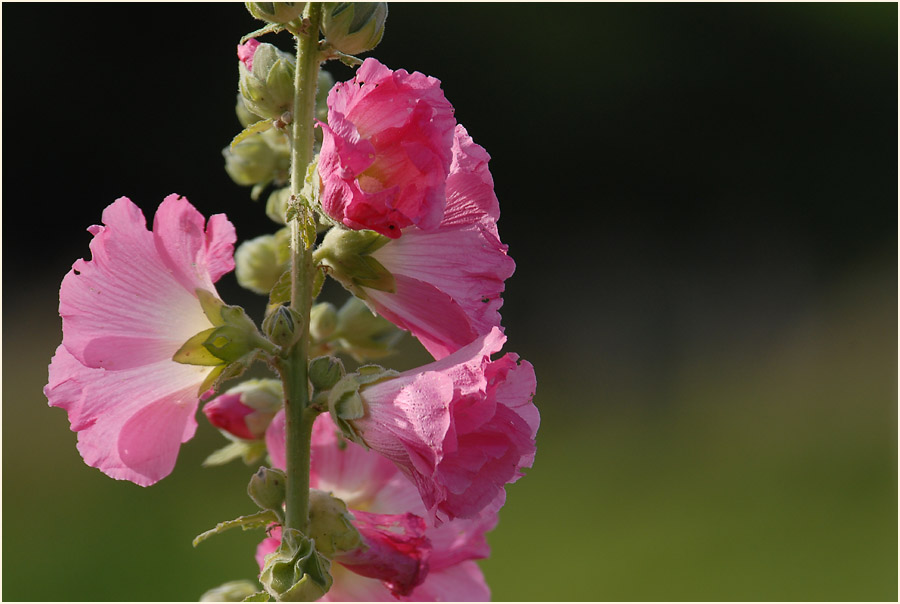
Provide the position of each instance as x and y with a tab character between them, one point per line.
701	200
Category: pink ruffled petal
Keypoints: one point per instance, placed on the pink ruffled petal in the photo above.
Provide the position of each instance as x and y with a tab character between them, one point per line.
396	550
463	582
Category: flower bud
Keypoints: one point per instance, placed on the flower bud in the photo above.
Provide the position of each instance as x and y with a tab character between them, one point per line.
363	334
322	321
296	572
275	12
233	591
348	254
266	79
283	326
354	27
246	410
259	158
324	372
267	488
259	262
244	115
330	524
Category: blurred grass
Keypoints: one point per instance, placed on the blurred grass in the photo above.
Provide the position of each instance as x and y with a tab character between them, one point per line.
770	475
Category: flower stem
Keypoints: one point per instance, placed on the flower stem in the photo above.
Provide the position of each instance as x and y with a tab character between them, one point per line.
299	415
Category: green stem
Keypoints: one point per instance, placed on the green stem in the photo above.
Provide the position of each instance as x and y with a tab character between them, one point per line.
298	416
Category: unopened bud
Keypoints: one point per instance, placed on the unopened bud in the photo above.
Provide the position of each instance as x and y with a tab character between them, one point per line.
266	79
259	262
296	571
246	410
283	326
267	488
275	12
354	27
322	321
233	591
330	524
259	158
324	372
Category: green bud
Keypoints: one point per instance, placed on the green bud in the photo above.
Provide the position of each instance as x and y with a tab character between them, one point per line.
244	115
283	326
260	262
322	321
330	524
267	489
275	12
276	205
268	89
296	572
326	81
259	159
354	27
363	334
324	372
233	591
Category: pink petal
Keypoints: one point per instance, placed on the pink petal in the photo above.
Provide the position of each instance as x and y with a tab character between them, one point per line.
463	582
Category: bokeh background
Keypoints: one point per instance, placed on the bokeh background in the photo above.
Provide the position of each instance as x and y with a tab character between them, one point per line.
701	200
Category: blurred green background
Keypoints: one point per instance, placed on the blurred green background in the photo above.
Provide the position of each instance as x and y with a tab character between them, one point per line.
701	200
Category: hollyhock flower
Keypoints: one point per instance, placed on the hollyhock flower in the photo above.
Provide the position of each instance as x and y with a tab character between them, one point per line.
459	428
125	313
386	150
245	410
403	558
448	282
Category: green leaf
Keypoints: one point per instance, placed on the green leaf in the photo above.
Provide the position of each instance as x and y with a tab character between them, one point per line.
281	292
211	305
222	456
252	521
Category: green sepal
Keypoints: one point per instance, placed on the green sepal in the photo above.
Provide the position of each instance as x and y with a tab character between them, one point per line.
193	352
325	372
260	596
211	379
260	126
330	524
296	571
251	451
230	343
251	521
212	306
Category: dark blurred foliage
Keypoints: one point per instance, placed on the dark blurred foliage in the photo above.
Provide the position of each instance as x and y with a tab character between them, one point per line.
701	200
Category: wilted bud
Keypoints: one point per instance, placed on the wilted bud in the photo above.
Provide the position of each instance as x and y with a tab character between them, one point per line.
233	591
259	262
246	410
266	79
275	12
267	488
354	27
296	572
284	326
330	524
324	372
322	321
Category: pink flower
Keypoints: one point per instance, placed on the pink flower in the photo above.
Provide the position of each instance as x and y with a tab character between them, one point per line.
459	428
246	51
386	150
125	314
245	410
403	559
448	281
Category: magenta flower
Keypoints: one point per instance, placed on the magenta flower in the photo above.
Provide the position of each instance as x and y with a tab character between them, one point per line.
386	150
125	314
403	558
448	281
